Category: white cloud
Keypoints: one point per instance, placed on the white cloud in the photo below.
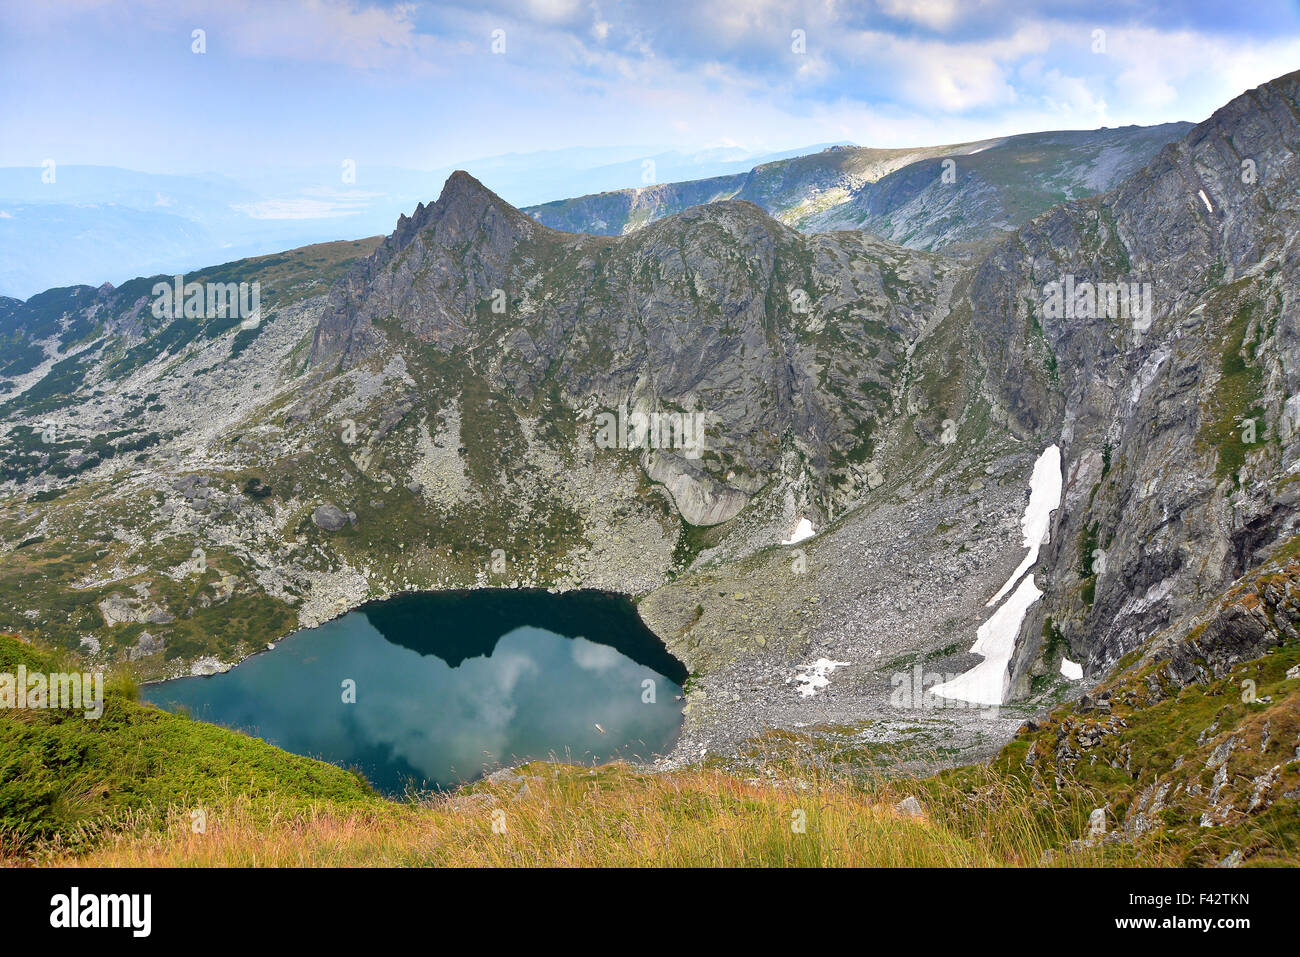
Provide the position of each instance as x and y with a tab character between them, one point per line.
1182	75
328	31
1073	99
554	11
601	73
936	14
295	209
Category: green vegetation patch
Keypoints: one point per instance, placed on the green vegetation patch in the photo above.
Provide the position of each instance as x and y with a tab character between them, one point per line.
63	775
1237	398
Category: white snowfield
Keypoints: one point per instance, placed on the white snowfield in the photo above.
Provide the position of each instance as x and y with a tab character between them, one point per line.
987	682
803	530
1071	670
816	676
1044	497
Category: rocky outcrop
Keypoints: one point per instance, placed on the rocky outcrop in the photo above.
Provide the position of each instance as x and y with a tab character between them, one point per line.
1184	403
699	498
774	340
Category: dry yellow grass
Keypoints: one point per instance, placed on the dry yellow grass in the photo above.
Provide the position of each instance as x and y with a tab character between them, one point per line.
611	817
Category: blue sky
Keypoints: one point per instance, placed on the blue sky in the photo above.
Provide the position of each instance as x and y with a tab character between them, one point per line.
311	82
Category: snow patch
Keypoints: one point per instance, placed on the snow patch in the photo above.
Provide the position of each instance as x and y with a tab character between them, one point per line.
1205	199
816	676
1071	670
1044	497
986	683
803	530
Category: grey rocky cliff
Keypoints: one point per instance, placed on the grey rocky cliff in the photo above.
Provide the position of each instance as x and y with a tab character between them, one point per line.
1177	441
776	340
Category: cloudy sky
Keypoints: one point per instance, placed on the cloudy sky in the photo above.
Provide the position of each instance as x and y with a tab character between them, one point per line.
290	82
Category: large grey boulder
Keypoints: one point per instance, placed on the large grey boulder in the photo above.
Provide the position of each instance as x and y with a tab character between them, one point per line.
701	499
330	517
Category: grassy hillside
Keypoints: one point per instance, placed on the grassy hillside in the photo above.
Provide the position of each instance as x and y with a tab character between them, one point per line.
610	816
124	791
1210	768
64	779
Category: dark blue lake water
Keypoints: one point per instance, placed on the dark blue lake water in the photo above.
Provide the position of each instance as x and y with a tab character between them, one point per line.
450	685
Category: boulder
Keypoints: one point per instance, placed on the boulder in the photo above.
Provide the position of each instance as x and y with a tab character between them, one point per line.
910	807
330	517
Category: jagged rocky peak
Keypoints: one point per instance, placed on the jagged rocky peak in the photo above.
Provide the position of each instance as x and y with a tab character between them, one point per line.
430	275
465	209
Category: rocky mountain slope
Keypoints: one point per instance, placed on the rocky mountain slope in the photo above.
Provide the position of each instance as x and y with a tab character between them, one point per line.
1176	423
785	346
466	402
926	198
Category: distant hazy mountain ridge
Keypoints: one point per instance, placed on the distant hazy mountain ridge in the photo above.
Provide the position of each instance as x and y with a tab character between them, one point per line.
906	195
